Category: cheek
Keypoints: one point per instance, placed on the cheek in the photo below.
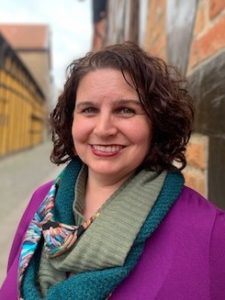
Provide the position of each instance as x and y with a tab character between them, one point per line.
75	131
80	129
140	133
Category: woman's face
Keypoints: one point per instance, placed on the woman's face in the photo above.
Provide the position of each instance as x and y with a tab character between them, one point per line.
111	131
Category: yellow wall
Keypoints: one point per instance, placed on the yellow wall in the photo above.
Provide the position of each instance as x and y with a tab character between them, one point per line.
22	109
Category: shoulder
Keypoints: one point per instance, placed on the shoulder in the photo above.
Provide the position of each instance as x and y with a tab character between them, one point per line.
41	191
195	202
194	214
36	199
207	226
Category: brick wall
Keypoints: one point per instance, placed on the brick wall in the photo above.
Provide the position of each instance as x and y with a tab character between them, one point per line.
197	156
206	73
191	35
156	42
155	38
209	31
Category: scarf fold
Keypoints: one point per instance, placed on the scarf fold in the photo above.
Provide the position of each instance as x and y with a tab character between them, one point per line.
59	237
99	284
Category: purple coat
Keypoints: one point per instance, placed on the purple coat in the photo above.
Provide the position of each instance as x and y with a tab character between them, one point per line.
184	259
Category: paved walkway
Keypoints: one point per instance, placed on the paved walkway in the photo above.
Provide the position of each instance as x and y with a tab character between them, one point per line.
20	174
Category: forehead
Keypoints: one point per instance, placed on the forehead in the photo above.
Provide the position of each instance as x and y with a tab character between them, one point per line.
106	81
106	73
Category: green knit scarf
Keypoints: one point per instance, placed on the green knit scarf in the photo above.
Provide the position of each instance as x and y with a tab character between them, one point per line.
98	284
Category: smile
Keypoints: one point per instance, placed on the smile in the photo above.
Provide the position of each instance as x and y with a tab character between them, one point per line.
106	149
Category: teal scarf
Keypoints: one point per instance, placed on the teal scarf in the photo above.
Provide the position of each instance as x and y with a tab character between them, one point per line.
98	284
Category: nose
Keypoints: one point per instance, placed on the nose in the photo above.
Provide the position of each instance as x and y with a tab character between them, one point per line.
105	125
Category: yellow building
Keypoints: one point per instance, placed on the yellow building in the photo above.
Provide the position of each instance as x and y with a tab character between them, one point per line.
32	44
22	103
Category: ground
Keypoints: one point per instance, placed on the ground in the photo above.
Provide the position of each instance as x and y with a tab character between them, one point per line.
21	174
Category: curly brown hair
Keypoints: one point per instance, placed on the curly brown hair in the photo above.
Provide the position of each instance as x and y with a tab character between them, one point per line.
161	91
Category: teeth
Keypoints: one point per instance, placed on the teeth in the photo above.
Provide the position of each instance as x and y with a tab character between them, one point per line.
109	149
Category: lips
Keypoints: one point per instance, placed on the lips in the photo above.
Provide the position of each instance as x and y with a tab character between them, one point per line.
106	150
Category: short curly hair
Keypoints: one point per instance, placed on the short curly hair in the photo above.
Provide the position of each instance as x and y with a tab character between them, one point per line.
161	91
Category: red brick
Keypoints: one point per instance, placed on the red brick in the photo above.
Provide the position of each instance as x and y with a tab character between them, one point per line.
216	7
209	43
196	155
155	37
196	180
159	47
200	22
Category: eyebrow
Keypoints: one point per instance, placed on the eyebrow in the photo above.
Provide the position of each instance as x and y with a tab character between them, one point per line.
84	104
128	101
117	102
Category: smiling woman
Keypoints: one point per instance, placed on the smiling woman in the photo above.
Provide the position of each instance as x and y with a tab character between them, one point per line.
119	222
111	133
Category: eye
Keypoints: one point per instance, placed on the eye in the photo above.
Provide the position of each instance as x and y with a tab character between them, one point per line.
89	110
126	111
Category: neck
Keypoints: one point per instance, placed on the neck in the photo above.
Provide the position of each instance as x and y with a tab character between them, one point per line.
98	190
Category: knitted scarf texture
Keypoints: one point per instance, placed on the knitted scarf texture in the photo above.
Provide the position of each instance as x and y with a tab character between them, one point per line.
98	284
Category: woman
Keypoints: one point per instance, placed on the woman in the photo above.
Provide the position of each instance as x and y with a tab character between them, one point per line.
118	222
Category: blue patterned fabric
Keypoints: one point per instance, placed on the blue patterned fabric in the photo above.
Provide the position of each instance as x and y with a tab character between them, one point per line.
34	231
43	215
